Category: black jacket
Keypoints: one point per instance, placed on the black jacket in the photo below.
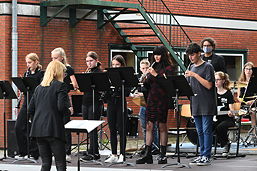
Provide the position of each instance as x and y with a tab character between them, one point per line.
47	107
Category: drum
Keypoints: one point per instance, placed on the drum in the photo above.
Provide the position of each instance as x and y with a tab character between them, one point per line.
132	125
140	101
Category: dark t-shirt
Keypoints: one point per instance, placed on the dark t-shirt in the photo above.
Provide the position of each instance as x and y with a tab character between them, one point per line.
203	102
223	101
217	62
67	80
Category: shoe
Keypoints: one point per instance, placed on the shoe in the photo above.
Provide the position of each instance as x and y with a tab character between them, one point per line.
196	160
68	158
226	150
121	159
112	159
205	161
162	159
91	157
20	157
147	157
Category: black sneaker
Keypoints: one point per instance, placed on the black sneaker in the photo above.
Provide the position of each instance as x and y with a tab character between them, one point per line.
91	157
162	159
196	160
226	150
205	161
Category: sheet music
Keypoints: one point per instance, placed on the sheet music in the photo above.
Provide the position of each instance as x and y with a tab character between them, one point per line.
88	125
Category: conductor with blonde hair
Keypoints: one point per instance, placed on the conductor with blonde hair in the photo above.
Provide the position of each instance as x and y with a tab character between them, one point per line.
47	106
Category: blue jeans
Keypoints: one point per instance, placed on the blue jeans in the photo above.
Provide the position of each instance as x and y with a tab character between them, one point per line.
204	130
143	125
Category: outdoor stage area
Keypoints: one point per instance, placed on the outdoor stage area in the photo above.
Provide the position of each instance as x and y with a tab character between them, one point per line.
247	163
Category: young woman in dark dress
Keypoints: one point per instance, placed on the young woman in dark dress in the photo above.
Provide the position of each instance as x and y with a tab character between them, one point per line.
225	101
71	84
115	118
35	71
87	106
157	103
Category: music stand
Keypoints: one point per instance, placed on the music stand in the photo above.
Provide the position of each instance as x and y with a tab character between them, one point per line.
96	81
123	77
85	126
6	92
178	86
25	85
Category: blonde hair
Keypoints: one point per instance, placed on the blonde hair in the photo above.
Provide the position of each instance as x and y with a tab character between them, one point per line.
62	53
224	77
145	61
34	58
54	71
242	77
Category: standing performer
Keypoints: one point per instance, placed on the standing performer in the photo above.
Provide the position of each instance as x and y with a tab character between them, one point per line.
208	45
225	101
34	71
60	55
144	65
157	104
114	115
87	107
244	79
203	105
47	107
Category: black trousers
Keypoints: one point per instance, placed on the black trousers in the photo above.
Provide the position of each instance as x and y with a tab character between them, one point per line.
48	146
21	134
115	121
221	129
66	119
87	111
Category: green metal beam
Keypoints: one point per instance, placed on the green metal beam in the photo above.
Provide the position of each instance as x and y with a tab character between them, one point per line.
162	39
73	16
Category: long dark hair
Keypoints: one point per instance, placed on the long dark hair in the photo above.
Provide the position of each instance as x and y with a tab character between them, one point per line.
165	56
120	59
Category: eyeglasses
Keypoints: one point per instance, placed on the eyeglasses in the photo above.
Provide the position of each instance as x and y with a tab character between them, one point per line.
218	79
207	45
249	69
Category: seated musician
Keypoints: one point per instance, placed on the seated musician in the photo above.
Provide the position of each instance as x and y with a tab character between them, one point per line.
225	102
243	80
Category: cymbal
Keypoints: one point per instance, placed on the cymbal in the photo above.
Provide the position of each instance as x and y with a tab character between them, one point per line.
237	84
251	97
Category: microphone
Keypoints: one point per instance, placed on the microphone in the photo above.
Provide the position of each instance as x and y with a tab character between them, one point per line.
152	64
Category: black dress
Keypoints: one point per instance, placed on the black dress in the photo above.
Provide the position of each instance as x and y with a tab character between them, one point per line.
157	100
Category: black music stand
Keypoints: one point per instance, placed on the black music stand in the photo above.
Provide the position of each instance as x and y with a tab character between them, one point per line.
85	126
96	81
123	77
25	85
177	86
6	92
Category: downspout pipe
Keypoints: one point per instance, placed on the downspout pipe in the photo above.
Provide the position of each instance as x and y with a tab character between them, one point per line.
14	52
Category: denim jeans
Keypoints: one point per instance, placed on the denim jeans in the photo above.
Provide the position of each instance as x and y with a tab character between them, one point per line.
143	125
205	134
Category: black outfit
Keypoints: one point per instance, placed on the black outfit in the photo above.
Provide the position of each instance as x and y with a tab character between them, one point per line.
224	121
66	117
87	111
217	62
21	122
47	107
115	118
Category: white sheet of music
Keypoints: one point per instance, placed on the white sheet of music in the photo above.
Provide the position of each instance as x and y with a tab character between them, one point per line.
88	125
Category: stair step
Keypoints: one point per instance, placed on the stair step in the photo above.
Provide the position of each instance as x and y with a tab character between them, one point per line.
140	35
145	43
128	28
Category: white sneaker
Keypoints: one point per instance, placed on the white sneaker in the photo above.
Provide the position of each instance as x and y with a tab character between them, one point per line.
196	160
112	159
20	157
68	158
121	159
